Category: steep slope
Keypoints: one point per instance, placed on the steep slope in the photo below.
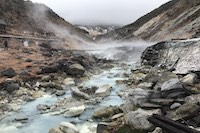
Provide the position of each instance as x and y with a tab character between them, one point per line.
177	19
27	17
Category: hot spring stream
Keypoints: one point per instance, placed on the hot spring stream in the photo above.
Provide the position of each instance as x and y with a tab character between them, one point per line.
42	123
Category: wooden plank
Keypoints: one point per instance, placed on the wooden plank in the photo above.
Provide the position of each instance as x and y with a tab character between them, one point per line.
168	128
170	125
176	124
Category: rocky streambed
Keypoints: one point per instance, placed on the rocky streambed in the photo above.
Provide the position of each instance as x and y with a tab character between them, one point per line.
107	96
74	94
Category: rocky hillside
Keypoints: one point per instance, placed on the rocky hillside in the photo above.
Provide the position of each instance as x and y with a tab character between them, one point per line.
177	19
182	57
30	18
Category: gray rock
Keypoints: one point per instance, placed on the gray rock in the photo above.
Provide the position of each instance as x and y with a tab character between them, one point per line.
103	91
138	96
49	69
10	72
67	127
10	87
74	111
139	119
76	69
105	112
175	106
183	111
172	84
77	92
190	78
128	106
55	130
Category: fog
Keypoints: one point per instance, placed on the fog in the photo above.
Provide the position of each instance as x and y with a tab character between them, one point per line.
102	12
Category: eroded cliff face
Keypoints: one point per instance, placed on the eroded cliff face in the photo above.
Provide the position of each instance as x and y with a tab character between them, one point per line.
177	19
181	57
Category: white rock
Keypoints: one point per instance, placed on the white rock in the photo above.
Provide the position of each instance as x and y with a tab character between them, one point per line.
190	78
55	130
74	111
87	127
77	92
68	81
103	91
117	116
175	106
157	130
67	127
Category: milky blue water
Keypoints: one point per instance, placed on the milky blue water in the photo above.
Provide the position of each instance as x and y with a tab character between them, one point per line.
41	123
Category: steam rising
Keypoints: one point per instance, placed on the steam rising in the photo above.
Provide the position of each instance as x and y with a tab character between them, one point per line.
124	51
39	13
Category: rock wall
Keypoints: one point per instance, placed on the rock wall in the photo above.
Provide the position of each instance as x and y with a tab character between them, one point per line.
181	56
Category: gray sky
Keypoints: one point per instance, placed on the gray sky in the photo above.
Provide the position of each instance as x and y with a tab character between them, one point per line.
92	12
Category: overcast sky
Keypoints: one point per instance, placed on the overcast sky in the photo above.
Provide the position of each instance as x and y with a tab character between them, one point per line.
92	12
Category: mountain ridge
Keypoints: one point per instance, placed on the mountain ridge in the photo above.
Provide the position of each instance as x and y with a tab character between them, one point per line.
162	23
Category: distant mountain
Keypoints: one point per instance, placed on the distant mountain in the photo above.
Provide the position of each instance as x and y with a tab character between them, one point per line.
32	18
94	31
177	19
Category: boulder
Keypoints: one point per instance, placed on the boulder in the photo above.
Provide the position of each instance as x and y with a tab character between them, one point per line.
10	87
49	69
74	111
105	112
10	72
55	130
103	91
76	69
77	92
128	106
172	84
171	87
183	111
139	119
138	96
67	127
190	78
